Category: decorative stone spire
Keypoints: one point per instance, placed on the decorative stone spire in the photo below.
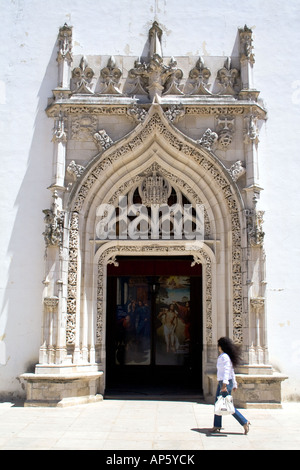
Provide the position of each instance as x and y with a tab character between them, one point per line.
155	34
247	61
64	56
246	47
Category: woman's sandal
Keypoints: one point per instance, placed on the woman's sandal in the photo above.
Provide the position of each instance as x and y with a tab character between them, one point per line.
215	429
246	427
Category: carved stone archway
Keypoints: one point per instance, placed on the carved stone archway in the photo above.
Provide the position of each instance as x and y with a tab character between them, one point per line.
220	182
165	149
146	114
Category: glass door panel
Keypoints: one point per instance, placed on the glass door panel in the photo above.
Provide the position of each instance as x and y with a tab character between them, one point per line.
133	321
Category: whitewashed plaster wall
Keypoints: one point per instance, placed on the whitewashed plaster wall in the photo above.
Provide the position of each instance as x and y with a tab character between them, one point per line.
28	73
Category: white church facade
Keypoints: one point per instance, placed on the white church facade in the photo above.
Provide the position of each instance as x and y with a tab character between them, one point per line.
154	235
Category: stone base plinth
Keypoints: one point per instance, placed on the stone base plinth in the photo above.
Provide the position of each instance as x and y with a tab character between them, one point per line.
62	390
254	391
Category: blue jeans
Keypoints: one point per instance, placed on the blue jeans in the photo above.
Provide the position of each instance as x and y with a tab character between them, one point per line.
237	415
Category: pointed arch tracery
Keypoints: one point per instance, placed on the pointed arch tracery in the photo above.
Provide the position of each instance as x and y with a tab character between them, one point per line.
147	145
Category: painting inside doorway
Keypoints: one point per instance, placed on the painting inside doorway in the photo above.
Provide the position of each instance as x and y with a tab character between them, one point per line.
153	320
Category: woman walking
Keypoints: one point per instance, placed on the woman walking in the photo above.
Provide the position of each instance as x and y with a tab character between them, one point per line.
227	360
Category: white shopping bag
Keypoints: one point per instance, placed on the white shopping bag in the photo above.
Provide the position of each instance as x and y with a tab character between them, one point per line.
224	406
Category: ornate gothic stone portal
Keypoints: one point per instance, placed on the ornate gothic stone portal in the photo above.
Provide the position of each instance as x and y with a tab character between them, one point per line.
152	131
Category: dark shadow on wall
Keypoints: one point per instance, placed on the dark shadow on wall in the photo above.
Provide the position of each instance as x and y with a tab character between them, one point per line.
23	294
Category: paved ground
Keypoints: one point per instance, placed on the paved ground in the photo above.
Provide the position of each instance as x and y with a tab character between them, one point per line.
145	424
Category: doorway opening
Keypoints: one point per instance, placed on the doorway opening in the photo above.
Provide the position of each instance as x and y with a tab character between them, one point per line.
154	326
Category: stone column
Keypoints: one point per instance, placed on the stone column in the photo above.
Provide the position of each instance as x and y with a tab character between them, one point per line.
50	329
59	152
53	235
257	350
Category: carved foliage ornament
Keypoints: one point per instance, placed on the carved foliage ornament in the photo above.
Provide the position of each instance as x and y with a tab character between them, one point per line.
137	112
208	139
51	303
102	140
255	220
150	76
110	77
82	77
175	112
53	227
236	170
155	78
228	79
199	77
75	170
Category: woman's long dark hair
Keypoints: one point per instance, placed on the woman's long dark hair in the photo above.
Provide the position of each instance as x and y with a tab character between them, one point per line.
233	351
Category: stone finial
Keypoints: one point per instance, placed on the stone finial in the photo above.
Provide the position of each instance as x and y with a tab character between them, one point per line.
198	78
65	43
155	34
82	76
246	47
228	79
110	76
64	57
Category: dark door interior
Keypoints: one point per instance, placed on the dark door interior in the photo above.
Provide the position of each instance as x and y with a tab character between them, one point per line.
154	326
